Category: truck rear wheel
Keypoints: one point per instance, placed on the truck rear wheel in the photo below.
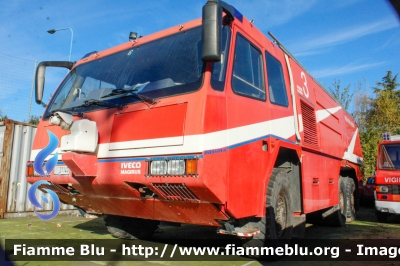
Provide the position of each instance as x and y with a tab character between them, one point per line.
277	224
130	228
351	207
338	218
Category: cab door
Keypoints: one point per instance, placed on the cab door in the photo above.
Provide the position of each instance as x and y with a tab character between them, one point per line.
247	123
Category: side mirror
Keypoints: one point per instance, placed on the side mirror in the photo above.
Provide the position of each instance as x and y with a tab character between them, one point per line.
211	32
41	73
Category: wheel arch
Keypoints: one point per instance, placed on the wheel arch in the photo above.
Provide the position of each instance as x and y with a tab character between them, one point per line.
288	159
284	155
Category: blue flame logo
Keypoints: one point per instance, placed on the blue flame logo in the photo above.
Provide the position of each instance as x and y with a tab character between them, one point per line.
38	166
35	202
51	163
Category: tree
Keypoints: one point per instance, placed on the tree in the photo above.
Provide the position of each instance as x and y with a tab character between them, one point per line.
362	103
386	106
362	106
34	120
2	117
378	115
342	96
389	83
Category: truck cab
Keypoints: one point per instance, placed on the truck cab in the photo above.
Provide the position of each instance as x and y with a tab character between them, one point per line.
387	196
209	123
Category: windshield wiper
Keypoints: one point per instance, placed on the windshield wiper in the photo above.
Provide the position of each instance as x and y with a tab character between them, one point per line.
133	88
146	99
116	92
132	91
93	102
87	103
67	111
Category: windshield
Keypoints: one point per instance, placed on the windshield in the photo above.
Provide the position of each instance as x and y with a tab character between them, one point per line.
161	68
389	157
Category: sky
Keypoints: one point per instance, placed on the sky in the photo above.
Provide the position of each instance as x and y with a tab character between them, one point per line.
350	41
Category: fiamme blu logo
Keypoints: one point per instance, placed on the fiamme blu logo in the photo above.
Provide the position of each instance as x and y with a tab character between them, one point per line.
44	169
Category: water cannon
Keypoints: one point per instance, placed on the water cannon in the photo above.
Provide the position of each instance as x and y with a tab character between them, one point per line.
61	119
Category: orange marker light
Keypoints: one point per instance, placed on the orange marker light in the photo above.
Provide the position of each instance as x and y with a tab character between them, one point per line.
29	170
191	166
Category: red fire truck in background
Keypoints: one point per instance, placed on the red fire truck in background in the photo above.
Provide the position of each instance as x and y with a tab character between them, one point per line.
387	177
207	123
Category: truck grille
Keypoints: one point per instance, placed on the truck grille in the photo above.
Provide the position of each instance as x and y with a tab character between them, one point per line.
394	189
176	192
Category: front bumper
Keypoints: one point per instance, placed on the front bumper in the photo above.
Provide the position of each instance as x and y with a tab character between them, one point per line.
388	206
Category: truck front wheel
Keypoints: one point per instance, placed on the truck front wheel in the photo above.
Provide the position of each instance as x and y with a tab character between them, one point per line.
277	224
279	207
130	228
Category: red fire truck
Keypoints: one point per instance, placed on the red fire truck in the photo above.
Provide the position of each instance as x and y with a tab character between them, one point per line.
387	197
207	123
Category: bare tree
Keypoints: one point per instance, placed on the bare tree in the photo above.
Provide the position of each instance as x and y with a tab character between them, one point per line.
341	95
362	103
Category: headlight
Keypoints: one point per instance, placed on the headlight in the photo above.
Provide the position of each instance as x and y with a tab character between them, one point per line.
173	167
384	189
158	168
176	167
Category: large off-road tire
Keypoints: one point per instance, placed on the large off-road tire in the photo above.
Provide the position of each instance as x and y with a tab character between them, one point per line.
351	205
338	218
130	228
276	227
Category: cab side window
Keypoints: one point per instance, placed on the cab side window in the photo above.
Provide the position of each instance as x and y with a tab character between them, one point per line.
219	68
247	77
276	83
